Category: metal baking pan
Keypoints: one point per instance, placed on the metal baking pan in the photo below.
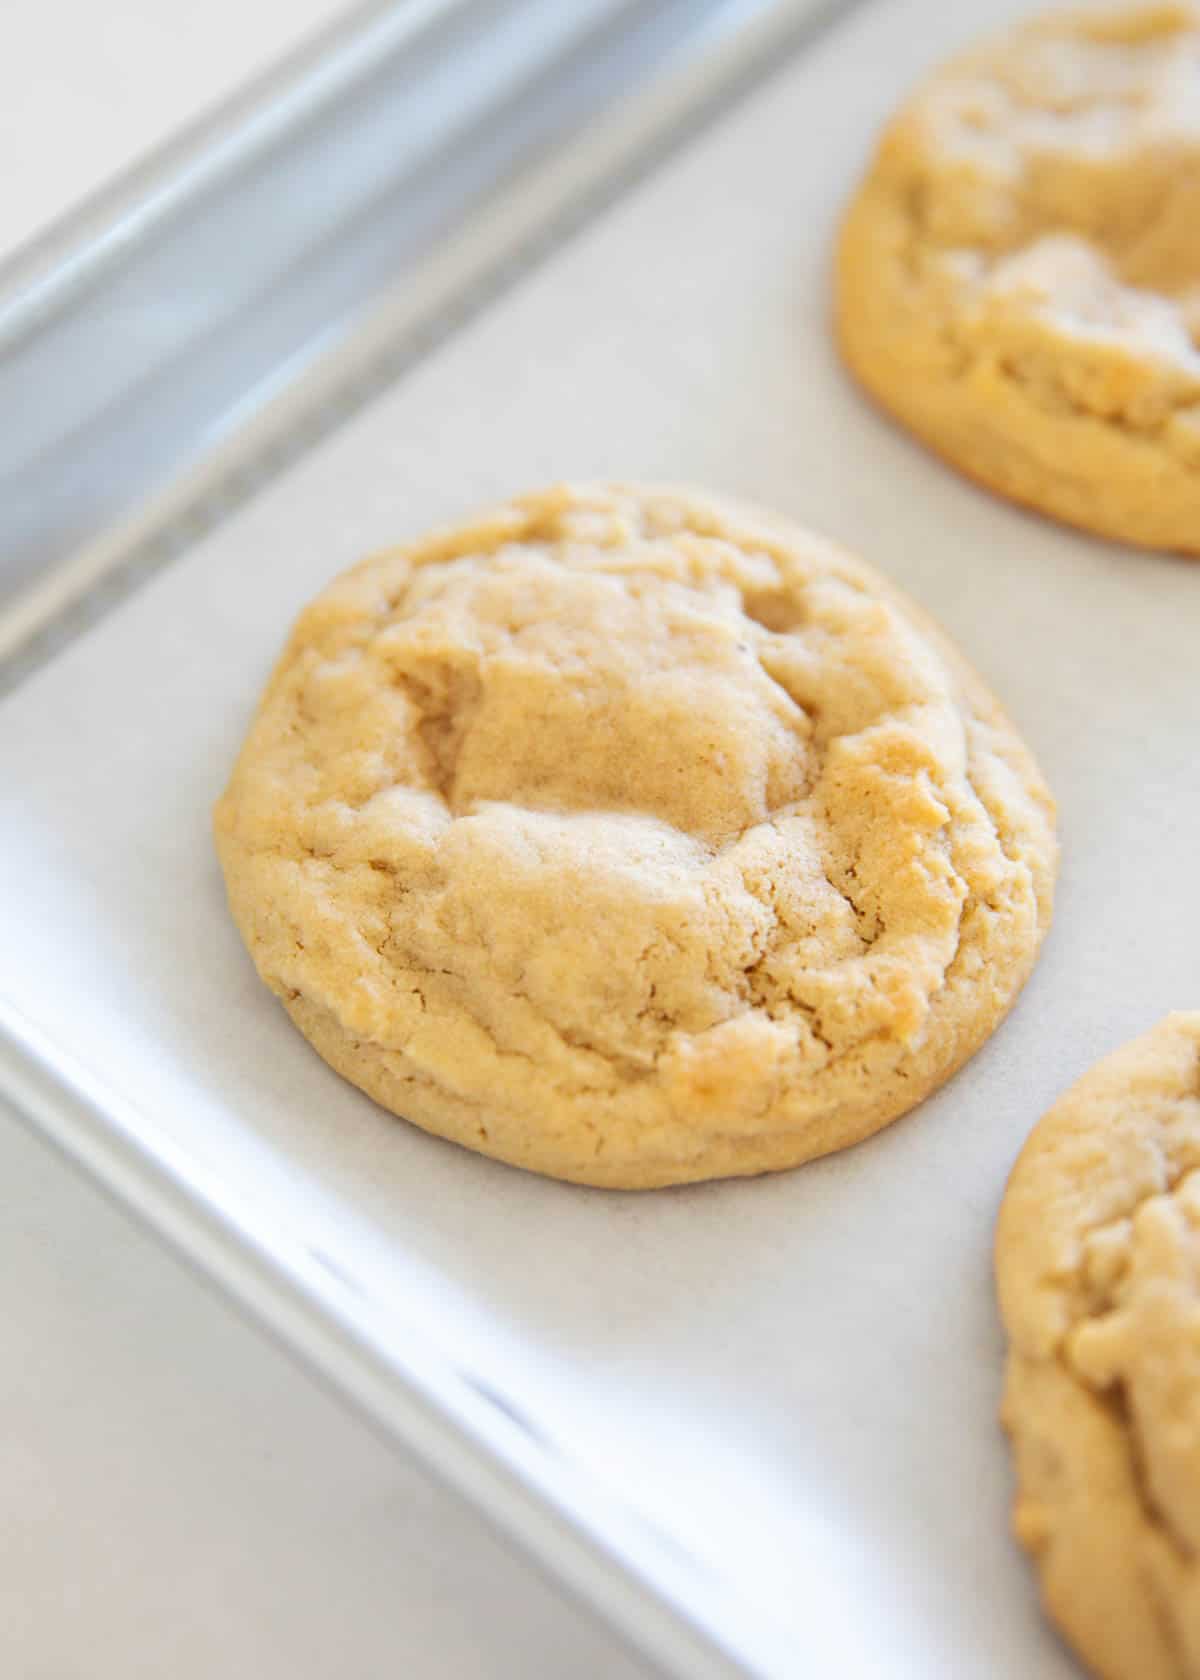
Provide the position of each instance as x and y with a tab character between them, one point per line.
335	220
752	1423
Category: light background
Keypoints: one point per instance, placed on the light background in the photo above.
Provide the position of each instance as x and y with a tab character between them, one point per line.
89	86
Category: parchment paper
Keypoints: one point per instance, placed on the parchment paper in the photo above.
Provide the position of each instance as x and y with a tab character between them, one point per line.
798	1376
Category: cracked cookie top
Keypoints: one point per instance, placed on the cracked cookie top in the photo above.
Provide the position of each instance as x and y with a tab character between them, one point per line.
1098	1267
1029	236
635	838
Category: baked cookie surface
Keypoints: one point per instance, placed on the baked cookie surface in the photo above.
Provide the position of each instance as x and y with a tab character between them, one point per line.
1098	1268
635	838
1018	277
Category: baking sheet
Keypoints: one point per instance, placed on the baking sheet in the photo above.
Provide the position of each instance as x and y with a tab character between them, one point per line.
796	1378
86	90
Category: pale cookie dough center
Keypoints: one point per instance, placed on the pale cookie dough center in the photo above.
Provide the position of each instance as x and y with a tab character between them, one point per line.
566	690
664	801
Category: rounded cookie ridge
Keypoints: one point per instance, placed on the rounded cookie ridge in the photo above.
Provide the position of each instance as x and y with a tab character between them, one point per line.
1098	1269
1018	276
635	838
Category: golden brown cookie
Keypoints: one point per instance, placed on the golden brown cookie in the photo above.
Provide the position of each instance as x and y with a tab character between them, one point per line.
634	838
1018	277
1098	1267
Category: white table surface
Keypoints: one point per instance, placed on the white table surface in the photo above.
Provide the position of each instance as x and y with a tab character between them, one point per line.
178	1499
87	87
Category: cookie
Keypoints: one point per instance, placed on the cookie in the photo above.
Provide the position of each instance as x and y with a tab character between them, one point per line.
1098	1268
635	838
1018	277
